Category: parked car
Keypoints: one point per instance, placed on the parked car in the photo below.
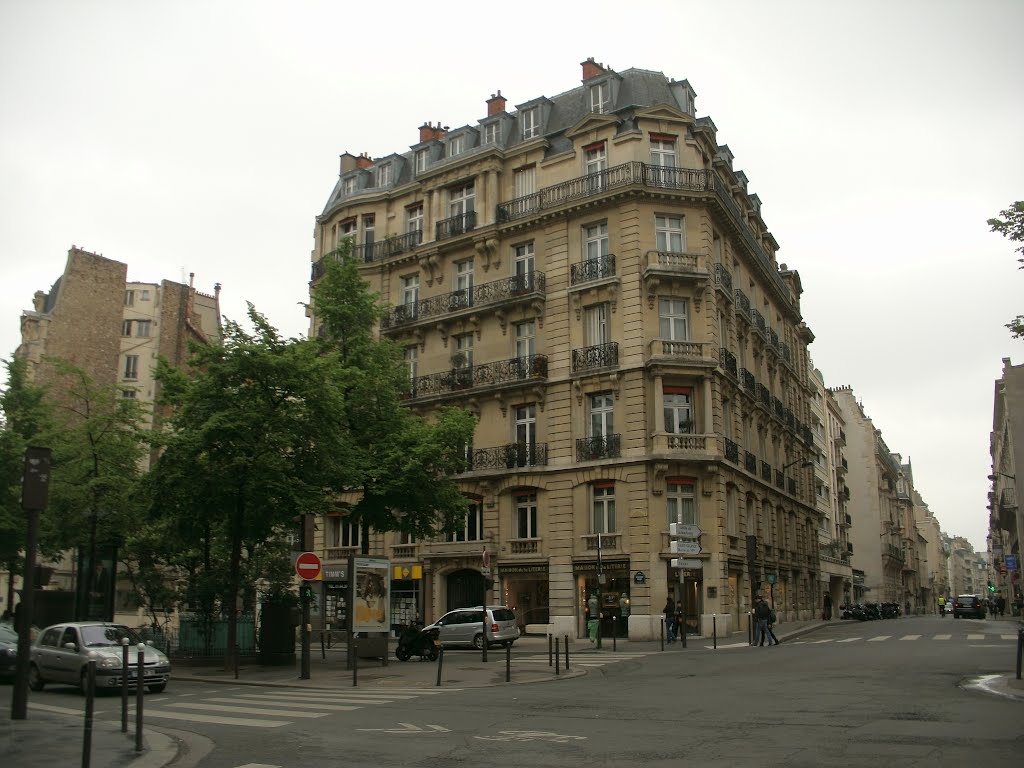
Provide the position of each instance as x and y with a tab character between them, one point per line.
464	627
62	652
969	605
8	651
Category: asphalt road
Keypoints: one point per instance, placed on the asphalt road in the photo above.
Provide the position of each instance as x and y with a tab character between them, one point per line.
851	694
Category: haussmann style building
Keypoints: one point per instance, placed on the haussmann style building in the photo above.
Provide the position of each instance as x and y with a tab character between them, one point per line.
589	275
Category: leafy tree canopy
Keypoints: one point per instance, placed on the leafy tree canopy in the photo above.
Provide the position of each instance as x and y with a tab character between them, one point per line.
1011	226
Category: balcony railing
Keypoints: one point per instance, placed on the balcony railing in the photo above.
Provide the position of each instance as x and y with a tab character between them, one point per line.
780	479
723	279
508	288
680	351
786	354
456	225
403	551
609	541
598	447
685	443
790	418
747	380
524	546
764	396
1007	498
750	462
592	269
773	339
807	435
392	245
508	456
514	370
791	485
732	451
759	324
595	357
742	303
766	471
340	553
727	360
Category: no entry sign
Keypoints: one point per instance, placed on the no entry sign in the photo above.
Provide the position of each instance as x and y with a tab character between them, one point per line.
307	566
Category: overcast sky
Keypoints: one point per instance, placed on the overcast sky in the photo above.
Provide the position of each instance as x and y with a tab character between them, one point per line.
880	135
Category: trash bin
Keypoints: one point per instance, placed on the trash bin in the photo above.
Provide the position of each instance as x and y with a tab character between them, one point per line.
592	630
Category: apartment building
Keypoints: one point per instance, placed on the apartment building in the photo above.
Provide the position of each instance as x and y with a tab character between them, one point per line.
934	570
589	275
114	329
1006	519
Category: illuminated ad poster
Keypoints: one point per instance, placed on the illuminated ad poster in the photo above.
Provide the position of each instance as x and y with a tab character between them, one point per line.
371	579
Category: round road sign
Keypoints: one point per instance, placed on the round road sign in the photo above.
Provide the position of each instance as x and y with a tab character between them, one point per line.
307	565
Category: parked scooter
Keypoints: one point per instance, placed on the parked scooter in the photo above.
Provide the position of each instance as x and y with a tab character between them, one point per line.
417	641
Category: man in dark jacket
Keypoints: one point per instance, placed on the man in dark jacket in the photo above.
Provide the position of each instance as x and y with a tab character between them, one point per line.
670	620
763	614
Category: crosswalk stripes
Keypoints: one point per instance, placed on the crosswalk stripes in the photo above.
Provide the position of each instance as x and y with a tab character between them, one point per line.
971	637
879	639
943	637
586	658
910	637
975	637
1007	637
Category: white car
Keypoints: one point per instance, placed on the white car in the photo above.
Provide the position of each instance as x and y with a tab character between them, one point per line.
465	626
62	652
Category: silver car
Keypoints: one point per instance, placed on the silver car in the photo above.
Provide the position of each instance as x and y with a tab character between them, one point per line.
465	627
62	652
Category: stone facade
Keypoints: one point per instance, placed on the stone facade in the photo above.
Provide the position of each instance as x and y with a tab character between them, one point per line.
1006	518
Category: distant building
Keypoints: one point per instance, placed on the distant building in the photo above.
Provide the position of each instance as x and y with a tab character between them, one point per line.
1006	518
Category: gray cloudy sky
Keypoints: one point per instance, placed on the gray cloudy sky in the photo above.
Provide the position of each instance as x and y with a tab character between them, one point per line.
880	135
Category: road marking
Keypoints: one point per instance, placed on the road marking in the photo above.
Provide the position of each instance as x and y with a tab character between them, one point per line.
878	639
289	702
258	765
295	704
819	642
975	637
382	698
198	717
248	710
409	728
848	640
910	637
558	738
942	637
1007	637
80	712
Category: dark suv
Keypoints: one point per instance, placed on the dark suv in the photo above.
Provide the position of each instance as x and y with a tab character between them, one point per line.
969	605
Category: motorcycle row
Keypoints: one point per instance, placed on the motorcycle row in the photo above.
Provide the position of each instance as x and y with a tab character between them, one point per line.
870	611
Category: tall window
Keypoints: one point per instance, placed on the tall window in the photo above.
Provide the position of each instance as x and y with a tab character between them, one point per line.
464	283
681	502
461	200
472	528
525	180
414	219
727	417
530	123
526	516
663	153
673	322
456	146
596	325
369	231
126	327
596	158
464	350
526	424
716	247
421	160
768	514
412	361
524	264
668	231
348	230
131	366
600	97
731	515
410	290
595	241
491	133
142	328
348	186
526	339
384	175
602	422
129	298
678	410
603	509
342	532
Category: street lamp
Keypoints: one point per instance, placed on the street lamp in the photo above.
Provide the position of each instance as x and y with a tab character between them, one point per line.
804	464
992	477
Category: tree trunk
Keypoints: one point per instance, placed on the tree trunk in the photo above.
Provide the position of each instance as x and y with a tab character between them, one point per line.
233	578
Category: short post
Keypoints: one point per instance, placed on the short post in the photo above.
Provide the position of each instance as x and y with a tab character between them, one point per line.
566	653
550	655
125	671
750	628
508	663
440	663
663	633
682	631
615	634
355	664
323	649
557	669
1020	648
238	652
90	697
714	631
140	688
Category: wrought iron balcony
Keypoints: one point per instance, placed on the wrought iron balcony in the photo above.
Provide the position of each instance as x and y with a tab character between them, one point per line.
598	447
742	304
764	396
456	225
723	279
508	456
766	471
596	357
780	479
786	354
790	418
392	245
727	360
759	324
807	435
791	481
747	380
773	339
732	451
750	462
778	408
592	269
843	466
1007	498
507	289
514	370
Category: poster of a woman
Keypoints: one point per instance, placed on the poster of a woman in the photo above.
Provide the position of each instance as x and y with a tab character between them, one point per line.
372	584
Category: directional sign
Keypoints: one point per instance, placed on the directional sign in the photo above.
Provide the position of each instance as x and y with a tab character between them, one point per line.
688	563
685	548
684	531
1011	562
307	566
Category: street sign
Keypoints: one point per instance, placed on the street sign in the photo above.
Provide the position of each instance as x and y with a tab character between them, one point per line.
684	531
307	566
685	548
771	578
1011	562
688	563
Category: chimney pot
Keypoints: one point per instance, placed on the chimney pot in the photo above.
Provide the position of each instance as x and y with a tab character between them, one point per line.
496	104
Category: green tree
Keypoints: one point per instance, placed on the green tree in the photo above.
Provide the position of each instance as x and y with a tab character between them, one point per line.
1011	226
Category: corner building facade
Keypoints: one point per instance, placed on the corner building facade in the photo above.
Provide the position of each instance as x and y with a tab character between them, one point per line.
589	276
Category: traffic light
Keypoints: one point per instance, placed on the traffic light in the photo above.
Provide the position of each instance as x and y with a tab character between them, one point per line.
990	587
307	592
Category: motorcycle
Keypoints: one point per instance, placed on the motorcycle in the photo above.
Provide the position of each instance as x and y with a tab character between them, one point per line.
417	641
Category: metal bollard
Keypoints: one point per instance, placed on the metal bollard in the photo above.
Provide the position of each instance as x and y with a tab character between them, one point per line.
140	689
615	634
124	684
557	669
238	652
440	663
663	633
508	663
355	664
90	698
1020	648
566	653
750	628
714	631
550	639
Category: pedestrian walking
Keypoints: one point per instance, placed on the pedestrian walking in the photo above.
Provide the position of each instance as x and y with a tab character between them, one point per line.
670	620
828	607
762	612
680	620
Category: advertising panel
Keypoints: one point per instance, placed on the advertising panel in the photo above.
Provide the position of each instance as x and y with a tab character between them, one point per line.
371	603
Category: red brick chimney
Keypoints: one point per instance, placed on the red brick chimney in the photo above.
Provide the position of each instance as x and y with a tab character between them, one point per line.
430	132
495	104
364	160
591	68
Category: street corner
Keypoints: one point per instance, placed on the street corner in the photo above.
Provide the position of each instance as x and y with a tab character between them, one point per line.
1004	686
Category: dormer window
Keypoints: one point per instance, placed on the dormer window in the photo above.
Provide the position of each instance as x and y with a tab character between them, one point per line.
531	123
456	146
491	133
421	161
600	98
348	186
384	175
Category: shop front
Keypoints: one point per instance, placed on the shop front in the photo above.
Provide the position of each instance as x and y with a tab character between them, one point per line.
686	586
524	589
604	591
406	596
